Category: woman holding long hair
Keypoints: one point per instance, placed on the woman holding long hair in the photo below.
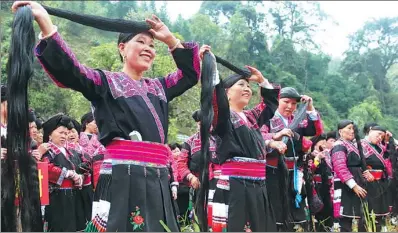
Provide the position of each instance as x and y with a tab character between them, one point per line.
134	192
240	201
350	176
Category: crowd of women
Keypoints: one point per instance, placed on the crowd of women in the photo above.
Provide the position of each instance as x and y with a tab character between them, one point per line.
268	168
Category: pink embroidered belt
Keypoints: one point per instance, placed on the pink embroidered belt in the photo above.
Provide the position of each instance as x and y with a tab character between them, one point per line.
244	168
126	151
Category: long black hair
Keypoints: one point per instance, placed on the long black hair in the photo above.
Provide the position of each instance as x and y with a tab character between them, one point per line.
208	75
209	68
20	173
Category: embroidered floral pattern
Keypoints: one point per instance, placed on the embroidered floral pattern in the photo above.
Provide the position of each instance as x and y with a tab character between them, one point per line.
247	227
136	219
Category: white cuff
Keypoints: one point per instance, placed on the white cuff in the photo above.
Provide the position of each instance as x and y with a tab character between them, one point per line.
351	183
174	184
174	189
55	29
313	115
266	84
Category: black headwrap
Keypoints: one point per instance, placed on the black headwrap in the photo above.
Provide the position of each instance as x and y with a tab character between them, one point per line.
39	123
378	128
373	126
344	123
331	134
289	92
31	116
232	79
3	93
317	139
175	145
367	126
53	123
197	115
76	125
86	119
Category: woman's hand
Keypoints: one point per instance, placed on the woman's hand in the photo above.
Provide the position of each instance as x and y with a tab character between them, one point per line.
359	191
284	132
306	98
278	145
203	49
3	153
256	76
41	16
161	32
368	176
36	154
195	183
43	148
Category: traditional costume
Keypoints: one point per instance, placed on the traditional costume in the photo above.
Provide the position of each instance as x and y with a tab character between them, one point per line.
323	180
295	211
241	200
378	193
63	212
133	191
189	162
348	166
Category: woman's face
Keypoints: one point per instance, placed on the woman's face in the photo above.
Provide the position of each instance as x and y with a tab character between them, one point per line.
287	106
320	146
73	136
92	127
347	133
139	52
33	130
59	136
329	143
376	136
240	93
176	152
39	137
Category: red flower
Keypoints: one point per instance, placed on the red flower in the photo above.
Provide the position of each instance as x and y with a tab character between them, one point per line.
138	220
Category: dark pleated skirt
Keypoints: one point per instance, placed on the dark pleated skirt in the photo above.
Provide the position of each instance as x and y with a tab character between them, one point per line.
84	202
133	195
298	215
240	201
325	216
62	214
183	199
379	197
346	203
136	199
242	205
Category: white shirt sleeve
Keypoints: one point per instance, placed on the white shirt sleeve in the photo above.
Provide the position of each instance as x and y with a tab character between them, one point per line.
313	115
266	85
351	183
